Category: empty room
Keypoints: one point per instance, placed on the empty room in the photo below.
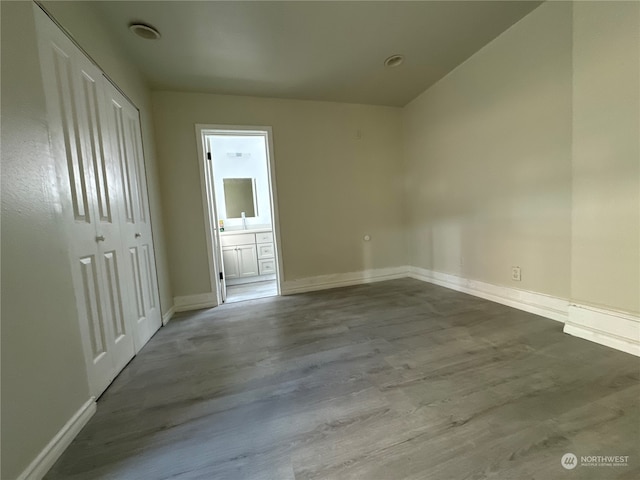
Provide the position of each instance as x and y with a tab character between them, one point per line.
375	240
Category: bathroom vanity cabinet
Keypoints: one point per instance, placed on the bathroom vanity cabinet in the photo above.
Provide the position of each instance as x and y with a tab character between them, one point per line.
248	255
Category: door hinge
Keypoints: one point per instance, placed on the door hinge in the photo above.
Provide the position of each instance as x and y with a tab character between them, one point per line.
221	276
208	155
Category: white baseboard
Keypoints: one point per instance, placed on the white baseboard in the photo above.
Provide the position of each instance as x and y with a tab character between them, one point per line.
194	302
58	444
617	330
166	318
323	282
538	303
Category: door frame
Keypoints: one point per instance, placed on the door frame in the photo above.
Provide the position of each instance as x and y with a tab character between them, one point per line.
212	233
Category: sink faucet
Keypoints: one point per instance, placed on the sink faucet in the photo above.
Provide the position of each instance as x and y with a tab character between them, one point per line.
244	221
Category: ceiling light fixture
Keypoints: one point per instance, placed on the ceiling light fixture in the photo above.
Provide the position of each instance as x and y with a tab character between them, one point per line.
394	61
144	31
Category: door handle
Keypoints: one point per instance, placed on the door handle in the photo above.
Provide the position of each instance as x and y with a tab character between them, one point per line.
100	238
138	235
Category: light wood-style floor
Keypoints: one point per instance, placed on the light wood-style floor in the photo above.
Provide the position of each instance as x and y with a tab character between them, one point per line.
393	380
251	291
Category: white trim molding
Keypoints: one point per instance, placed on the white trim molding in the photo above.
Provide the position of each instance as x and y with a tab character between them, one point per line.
540	304
619	330
194	302
324	282
166	317
58	444
209	205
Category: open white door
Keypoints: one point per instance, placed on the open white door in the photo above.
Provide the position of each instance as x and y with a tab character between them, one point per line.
257	257
221	285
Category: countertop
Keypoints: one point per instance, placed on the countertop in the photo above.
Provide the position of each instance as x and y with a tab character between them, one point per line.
248	230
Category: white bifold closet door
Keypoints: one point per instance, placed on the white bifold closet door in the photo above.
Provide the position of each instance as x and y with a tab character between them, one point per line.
100	169
126	145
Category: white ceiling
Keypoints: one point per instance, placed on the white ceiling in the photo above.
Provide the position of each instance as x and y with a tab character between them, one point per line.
308	50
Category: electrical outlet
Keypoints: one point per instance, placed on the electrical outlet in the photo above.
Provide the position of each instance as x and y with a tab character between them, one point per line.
515	274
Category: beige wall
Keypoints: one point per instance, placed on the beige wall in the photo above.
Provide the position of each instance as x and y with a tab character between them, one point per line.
82	22
42	356
488	160
333	188
606	155
43	374
490	180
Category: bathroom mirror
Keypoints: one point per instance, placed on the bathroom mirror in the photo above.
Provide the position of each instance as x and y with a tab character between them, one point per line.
239	196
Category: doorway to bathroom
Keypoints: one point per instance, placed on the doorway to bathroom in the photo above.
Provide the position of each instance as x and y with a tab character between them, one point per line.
240	207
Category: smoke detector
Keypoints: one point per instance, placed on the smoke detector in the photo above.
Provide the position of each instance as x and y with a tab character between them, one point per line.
144	31
394	61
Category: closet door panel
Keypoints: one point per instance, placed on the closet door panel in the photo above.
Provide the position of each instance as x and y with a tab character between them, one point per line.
73	91
116	305
67	112
143	234
96	331
149	274
68	132
140	234
114	295
132	122
95	145
106	216
119	157
136	229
